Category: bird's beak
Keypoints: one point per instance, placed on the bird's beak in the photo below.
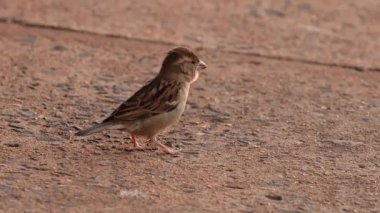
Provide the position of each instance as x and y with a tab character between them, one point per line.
201	65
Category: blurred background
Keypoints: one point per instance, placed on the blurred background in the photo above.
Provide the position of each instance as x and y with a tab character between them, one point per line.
326	31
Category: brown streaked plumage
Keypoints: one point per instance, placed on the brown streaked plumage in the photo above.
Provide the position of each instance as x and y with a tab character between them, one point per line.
158	104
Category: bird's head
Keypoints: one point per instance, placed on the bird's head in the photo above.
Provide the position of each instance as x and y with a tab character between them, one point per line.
181	64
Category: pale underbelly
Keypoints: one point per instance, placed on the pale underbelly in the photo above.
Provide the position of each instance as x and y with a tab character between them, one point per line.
156	124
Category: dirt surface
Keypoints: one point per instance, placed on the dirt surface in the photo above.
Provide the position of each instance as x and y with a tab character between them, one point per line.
332	31
266	128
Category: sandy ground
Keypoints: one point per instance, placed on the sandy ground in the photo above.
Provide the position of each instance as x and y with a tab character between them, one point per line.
285	119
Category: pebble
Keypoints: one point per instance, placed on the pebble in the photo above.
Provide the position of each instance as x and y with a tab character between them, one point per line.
15	125
12	120
191	152
145	60
234	186
276	13
99	88
65	86
213	109
15	145
31	166
260	142
221	119
117	89
86	54
200	133
345	142
290	211
194	38
49	137
132	193
264	157
188	188
28	40
243	142
26	113
5	187
105	78
273	196
24	132
255	12
211	146
59	48
97	153
9	114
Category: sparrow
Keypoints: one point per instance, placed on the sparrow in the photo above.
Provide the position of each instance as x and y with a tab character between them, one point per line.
157	105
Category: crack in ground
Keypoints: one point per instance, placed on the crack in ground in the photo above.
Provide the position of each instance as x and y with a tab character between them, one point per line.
24	23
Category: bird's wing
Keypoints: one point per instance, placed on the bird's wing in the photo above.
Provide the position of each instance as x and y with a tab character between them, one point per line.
158	96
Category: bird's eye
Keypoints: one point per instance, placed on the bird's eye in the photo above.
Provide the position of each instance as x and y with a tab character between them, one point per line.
194	62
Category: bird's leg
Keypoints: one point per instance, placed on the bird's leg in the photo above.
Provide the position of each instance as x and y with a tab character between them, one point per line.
164	147
135	143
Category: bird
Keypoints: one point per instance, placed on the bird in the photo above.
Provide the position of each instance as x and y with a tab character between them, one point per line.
158	104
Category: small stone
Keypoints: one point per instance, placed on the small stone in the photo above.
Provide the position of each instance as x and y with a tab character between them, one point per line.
264	157
59	114
255	12
244	142
31	166
99	88
97	153
145	60
11	120
33	85
24	132
132	193
37	189
192	37
27	114
214	109
345	142
48	137
5	187
188	188
86	54
107	77
273	196
119	89
211	147
28	40
191	152
290	211
276	13
15	145
59	48
65	86
234	186
16	126
200	134
10	114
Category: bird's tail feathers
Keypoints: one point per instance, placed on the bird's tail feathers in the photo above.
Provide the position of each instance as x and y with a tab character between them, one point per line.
96	128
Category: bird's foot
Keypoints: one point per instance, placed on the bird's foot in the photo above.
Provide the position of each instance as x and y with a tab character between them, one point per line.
138	147
170	151
165	148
